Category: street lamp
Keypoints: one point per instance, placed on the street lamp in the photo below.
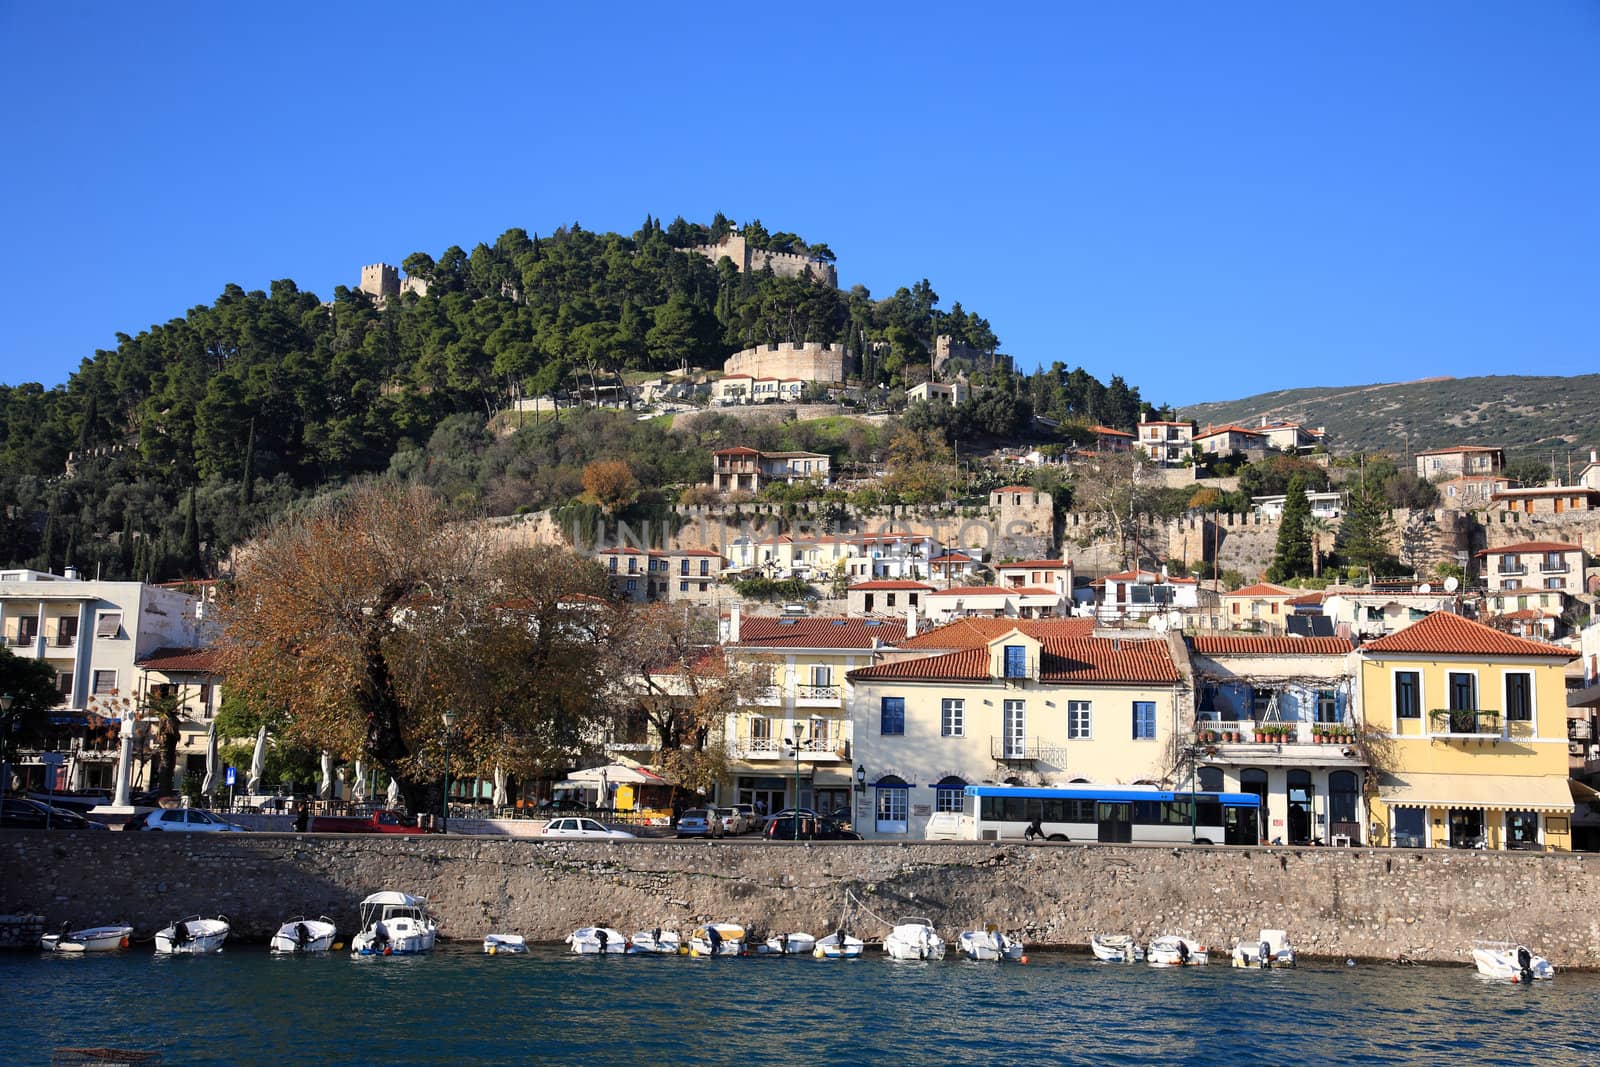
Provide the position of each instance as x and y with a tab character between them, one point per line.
861	782
449	724
799	737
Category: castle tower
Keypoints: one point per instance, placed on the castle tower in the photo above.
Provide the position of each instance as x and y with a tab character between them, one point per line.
380	281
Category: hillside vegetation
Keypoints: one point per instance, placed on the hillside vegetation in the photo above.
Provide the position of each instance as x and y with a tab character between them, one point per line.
1528	416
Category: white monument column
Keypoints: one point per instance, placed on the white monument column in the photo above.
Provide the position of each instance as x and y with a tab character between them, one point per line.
130	727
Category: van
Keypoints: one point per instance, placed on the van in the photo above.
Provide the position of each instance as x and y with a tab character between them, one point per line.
943	826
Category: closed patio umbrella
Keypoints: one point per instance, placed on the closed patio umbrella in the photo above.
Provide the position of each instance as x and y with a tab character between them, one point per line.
358	787
500	799
258	761
325	790
211	758
393	795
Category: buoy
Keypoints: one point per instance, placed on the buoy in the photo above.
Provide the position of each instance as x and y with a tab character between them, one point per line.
1024	959
387	951
124	943
339	947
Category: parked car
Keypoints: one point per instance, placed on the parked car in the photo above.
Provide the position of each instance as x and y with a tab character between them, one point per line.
752	821
699	822
811	828
18	813
183	820
805	813
733	820
572	826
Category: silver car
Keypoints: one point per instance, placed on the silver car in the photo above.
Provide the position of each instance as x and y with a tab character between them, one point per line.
578	828
699	822
733	820
188	820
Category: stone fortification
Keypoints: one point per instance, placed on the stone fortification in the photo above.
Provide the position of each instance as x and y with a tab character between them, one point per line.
1373	903
783	264
812	361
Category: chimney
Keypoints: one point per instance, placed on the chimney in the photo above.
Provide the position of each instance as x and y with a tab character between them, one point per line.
70	573
733	625
911	620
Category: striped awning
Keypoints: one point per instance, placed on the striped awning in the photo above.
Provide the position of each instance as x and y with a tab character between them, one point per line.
1500	792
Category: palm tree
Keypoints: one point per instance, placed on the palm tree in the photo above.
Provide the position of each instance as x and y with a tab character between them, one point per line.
1316	526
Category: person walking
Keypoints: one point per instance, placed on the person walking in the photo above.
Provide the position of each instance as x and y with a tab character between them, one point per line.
302	817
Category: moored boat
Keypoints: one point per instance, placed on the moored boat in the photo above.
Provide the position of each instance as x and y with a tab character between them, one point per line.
1174	951
795	944
656	942
718	939
394	924
90	939
839	945
1508	961
988	944
1116	948
193	936
914	938
596	941
302	935
1271	949
504	944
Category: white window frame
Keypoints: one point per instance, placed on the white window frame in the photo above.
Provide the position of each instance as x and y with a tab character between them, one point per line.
821	675
1533	706
942	795
952	717
1014	721
94	683
1394	699
1080	730
899	805
111	631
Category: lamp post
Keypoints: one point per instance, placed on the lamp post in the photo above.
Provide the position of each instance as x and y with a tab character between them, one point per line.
799	738
444	819
861	783
1194	804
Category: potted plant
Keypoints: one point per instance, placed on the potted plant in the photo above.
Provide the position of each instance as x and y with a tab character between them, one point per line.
1261	733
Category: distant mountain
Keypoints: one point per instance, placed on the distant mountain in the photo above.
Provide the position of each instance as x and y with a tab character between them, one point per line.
1525	415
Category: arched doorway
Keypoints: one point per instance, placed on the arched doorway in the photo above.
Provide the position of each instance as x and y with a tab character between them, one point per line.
1254	780
1210	779
1300	804
1344	788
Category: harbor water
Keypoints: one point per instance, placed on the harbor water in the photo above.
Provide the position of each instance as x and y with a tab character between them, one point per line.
459	1006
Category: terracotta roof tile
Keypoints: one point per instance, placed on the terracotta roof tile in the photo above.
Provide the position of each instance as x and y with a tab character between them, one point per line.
1447	634
1225	645
1263	589
1531	546
889	585
1063	660
972	633
202	660
973	590
818	632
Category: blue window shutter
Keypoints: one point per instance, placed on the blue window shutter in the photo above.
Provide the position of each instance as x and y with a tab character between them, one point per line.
1016	661
893	717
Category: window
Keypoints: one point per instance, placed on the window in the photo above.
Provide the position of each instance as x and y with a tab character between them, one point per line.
1144	720
1014	729
889	600
821	675
952	718
1513	583
683	566
611	564
892	806
1522	830
633	566
1409	827
105	682
1016	661
1519	697
109	624
1079	720
892	716
66	629
1553	583
64	683
1463	690
1327	706
705	568
948	794
683	587
1407	695
633	583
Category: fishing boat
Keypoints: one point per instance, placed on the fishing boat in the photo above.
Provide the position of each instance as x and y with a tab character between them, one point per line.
1116	948
394	924
302	935
657	942
839	945
1510	962
596	941
1174	951
988	944
914	938
795	944
504	944
1271	949
91	939
718	939
193	936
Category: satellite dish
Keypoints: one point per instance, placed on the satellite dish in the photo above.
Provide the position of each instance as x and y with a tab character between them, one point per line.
1427	587
1451	584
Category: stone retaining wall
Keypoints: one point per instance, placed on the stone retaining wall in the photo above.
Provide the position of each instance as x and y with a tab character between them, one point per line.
1372	903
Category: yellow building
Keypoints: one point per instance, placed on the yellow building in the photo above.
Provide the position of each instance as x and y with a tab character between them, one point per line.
1479	745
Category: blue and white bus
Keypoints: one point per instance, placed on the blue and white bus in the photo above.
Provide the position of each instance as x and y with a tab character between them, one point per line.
1109	813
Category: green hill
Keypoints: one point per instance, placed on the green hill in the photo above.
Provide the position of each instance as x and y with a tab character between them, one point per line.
1525	415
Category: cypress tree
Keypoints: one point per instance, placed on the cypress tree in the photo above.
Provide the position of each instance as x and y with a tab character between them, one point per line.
128	560
1292	556
91	415
191	540
247	492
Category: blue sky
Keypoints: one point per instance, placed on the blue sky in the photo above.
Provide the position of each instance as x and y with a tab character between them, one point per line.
1211	200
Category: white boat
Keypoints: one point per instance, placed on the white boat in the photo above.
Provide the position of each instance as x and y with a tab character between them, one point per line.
193	936
596	941
1116	948
301	935
1271	949
717	939
1174	951
839	946
656	942
795	944
914	938
988	944
91	939
1510	962
504	944
394	924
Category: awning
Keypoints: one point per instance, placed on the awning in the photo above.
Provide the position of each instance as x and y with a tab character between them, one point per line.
617	774
1490	793
1581	793
833	776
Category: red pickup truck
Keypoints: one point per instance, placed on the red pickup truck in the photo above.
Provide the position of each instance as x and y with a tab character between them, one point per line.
379	822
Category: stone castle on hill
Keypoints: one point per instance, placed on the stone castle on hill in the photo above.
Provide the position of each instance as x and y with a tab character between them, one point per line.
784	264
382	281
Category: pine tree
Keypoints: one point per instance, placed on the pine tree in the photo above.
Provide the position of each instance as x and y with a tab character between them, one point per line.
1292	556
1364	536
247	491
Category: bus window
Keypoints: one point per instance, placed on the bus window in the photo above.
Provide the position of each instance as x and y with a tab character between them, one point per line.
1146	812
969	806
1015	810
1209	814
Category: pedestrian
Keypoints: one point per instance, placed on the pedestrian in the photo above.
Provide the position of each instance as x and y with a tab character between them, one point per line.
1035	831
302	818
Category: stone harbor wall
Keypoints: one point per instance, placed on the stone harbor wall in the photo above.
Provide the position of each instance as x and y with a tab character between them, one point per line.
1368	903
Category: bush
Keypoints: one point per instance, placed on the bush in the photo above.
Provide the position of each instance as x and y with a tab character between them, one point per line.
773	588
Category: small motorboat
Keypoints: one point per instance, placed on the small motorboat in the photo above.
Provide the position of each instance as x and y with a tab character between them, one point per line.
1271	949
988	944
718	939
914	938
839	945
596	941
795	944
301	935
1508	961
92	939
1116	948
394	924
193	936
504	944
656	942
1174	951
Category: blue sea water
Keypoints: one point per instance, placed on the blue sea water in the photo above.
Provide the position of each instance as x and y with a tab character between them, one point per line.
458	1006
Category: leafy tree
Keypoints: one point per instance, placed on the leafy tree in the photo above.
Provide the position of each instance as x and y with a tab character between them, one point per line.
611	483
1529	471
1292	557
31	685
1117	504
1417	547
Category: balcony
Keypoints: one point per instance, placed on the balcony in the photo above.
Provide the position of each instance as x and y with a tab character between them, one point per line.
1026	750
758	747
1548	567
1465	722
1508	571
1580	730
23	640
817	696
770	696
63	640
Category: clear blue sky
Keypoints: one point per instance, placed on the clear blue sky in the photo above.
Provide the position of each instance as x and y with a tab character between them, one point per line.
1209	199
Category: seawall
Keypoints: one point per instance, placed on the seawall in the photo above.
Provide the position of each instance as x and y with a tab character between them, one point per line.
1370	903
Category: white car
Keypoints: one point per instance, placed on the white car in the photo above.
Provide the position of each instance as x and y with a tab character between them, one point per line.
572	826
733	820
189	821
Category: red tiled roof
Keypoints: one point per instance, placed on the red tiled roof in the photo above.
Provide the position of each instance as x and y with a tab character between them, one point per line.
1457	448
1223	645
1039	564
1079	659
973	590
1106	431
972	633
818	632
1035	590
1449	634
737	451
1308	598
1263	589
1532	546
696	552
200	660
1212	431
953	557
889	585
1524	615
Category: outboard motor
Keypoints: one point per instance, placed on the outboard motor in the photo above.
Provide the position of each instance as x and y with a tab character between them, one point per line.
302	937
1183	952
714	938
655	937
601	936
66	932
1266	954
1525	964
